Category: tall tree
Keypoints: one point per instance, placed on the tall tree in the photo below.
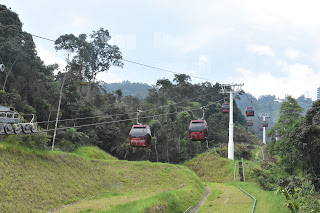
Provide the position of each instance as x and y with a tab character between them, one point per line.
307	138
90	56
290	115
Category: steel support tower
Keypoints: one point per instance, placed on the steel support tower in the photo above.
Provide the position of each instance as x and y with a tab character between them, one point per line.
231	89
264	116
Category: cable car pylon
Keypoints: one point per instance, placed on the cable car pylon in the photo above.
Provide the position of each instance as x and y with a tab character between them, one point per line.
264	124
231	89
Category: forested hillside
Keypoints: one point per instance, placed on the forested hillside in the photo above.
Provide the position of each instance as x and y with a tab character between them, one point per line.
140	90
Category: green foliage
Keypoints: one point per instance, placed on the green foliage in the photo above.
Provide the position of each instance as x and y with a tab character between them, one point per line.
35	140
290	117
90	57
303	198
306	137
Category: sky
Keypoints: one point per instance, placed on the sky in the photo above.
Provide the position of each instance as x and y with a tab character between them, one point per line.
271	46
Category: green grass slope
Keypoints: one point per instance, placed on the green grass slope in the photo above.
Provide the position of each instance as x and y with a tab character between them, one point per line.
39	181
93	153
210	167
226	196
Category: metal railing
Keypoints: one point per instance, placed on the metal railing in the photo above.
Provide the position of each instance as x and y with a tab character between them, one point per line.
234	179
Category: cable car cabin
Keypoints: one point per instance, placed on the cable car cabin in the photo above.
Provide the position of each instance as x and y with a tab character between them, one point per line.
225	107
140	136
261	128
249	111
250	123
198	130
264	123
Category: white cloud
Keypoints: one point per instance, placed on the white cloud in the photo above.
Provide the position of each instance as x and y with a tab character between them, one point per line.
299	80
292	53
78	21
48	58
111	76
276	14
192	41
260	49
124	41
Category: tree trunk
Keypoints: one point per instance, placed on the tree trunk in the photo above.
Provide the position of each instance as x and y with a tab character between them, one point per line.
178	145
167	152
7	74
58	111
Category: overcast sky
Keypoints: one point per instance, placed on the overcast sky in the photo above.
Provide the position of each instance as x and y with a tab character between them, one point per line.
271	46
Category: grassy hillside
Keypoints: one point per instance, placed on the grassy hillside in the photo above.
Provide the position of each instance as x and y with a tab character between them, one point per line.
39	181
210	167
226	196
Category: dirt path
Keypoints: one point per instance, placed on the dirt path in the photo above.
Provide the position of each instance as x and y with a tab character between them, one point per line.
202	201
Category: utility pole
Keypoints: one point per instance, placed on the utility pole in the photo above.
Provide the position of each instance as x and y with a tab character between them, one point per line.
57	118
231	89
264	116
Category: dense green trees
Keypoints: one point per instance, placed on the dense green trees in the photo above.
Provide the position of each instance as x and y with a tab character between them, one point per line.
306	138
297	147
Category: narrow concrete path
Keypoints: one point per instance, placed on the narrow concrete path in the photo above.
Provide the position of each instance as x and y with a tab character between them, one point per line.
227	198
202	201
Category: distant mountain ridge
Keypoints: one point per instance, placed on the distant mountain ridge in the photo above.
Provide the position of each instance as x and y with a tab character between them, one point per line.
139	90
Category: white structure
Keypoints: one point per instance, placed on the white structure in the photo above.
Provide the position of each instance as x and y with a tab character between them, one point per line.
264	116
231	89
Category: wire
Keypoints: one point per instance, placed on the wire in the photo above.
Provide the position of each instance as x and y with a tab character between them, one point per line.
129	119
129	113
149	66
133	62
256	106
141	64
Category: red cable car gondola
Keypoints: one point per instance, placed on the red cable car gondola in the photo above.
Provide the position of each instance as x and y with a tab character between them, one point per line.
140	136
198	130
250	122
264	123
249	111
225	107
261	128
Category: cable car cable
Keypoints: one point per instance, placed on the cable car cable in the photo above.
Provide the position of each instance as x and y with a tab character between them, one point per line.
123	120
130	61
129	113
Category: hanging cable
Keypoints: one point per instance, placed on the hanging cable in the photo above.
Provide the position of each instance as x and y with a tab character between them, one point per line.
123	120
129	113
130	61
